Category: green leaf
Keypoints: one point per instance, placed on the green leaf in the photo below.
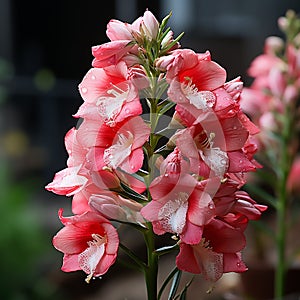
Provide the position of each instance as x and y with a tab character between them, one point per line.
166	107
169	46
164	23
166	249
175	284
184	291
165	283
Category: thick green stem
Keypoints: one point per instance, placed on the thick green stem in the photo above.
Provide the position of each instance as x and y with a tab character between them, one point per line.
151	270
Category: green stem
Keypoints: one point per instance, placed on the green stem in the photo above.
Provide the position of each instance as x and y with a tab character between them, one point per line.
284	166
151	269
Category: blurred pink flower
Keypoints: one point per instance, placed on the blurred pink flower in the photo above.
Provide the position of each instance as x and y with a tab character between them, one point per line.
293	179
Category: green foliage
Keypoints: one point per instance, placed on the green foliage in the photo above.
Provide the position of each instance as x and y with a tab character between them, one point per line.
22	242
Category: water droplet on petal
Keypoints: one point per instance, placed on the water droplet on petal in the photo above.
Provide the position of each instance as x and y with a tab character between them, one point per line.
84	90
93	77
238	264
127	110
234	128
166	175
211	206
223	162
132	167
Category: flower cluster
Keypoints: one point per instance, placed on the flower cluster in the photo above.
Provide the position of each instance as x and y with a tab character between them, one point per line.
272	102
276	82
163	144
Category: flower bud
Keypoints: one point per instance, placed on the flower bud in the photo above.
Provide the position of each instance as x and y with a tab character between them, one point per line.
149	25
273	45
290	94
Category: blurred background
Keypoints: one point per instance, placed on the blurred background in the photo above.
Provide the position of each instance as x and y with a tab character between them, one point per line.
45	50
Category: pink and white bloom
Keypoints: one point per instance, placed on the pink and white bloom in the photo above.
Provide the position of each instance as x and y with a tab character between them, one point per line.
201	258
89	243
116	147
178	207
110	93
192	77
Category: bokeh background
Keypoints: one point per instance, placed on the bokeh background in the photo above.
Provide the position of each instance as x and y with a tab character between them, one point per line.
45	50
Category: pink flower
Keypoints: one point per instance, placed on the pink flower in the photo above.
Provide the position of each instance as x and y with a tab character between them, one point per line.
115	147
202	259
89	243
125	41
111	53
192	77
230	200
218	251
178	207
115	207
112	96
216	142
149	26
80	179
293	178
67	182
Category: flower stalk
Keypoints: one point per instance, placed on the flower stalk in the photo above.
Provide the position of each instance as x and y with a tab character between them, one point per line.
183	179
282	206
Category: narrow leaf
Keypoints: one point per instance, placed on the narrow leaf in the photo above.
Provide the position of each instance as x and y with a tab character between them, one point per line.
175	285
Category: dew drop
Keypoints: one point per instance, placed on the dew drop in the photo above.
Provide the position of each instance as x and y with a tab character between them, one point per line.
238	264
223	162
234	128
211	206
93	77
127	110
132	167
84	90
166	175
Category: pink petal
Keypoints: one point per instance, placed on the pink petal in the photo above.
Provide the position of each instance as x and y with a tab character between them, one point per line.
70	263
201	209
224	238
192	234
186	260
233	263
207	75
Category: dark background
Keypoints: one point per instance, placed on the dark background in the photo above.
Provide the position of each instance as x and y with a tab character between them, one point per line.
45	50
